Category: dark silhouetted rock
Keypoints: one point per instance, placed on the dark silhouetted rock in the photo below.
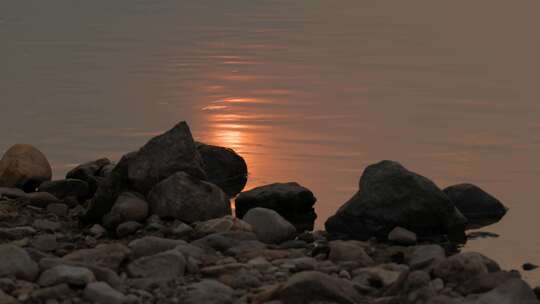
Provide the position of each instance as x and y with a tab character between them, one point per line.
391	196
479	207
129	206
290	200
224	167
184	197
107	193
163	156
65	188
269	226
25	167
90	172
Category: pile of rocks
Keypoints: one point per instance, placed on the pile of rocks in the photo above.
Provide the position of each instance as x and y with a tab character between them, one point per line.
157	228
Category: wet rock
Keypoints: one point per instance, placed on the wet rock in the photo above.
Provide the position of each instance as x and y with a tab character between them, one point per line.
223	224
108	191
127	228
269	226
291	200
89	172
424	255
462	266
341	251
66	188
402	236
224	167
15	262
313	287
479	207
210	292
101	292
165	265
163	156
151	245
71	275
129	206
391	196
58	209
25	167
186	198
108	256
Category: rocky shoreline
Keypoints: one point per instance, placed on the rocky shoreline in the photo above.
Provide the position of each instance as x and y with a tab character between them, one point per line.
158	227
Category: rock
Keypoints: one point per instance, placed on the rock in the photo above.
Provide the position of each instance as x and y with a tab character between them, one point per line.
97	231
128	207
108	191
17	233
182	230
46	225
66	188
45	242
223	224
11	192
269	226
109	256
290	200
16	262
25	167
391	196
462	266
378	276
101	292
7	299
225	240
71	275
224	167
151	245
343	251
529	267
424	255
479	207
41	199
513	291
209	292
485	282
163	156
89	172
313	287
402	236
127	228
186	198
58	209
166	265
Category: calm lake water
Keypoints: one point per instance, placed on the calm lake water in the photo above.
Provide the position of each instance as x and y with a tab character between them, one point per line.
309	91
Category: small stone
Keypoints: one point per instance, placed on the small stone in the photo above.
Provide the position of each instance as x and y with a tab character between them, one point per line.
45	242
101	292
41	199
402	236
269	226
424	255
345	274
182	230
109	256
71	275
127	228
17	233
46	225
165	265
97	231
152	245
58	209
129	206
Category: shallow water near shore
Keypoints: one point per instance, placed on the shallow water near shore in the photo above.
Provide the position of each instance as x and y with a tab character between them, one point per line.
308	91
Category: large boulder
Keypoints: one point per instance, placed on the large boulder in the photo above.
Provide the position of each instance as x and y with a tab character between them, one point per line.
164	155
392	196
189	199
66	188
479	207
25	167
129	206
224	168
290	200
269	226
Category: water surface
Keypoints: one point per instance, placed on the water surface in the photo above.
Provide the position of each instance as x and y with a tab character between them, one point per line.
309	91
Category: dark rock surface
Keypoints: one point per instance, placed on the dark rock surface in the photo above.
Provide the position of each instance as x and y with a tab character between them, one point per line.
290	200
479	207
90	172
66	187
224	168
391	196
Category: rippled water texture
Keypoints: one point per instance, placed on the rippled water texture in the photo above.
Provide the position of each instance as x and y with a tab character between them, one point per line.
309	90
